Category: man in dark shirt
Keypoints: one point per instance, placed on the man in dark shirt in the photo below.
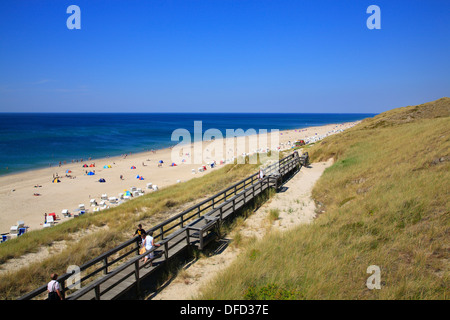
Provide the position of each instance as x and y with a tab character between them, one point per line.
139	231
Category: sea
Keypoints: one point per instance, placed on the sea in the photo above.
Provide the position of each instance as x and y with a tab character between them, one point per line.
37	140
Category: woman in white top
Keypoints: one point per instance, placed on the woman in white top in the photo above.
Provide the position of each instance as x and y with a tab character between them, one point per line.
148	243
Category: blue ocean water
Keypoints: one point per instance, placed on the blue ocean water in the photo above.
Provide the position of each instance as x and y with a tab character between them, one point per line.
36	140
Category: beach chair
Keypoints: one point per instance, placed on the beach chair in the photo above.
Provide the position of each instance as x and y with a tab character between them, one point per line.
50	220
193	171
81	206
104	196
149	185
13	231
93	203
155	187
112	200
65	213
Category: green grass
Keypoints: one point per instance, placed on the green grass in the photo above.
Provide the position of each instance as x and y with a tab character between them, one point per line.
386	204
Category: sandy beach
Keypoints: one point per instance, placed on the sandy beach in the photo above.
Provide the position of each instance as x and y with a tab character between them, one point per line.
26	196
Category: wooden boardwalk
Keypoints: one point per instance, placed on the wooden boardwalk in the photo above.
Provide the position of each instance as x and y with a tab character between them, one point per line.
194	227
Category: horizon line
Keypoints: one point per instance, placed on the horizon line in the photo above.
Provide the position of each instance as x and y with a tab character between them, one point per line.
178	112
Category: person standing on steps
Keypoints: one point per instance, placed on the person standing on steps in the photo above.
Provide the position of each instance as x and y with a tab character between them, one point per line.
54	288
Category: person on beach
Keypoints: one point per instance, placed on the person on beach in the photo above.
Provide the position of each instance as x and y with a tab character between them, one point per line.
54	288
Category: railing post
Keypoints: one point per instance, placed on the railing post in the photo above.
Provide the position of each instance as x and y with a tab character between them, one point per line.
105	264
97	292
136	274
166	250
137	247
200	233
63	288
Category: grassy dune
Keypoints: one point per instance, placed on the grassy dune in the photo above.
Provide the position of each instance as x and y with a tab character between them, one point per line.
384	202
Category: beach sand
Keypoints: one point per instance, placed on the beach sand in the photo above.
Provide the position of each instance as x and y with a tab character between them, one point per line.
18	202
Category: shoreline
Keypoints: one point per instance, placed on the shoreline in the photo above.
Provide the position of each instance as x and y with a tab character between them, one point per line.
18	201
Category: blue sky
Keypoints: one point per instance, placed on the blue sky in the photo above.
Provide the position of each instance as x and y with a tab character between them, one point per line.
222	56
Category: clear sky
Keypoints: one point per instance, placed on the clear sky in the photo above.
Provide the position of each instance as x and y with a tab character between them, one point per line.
222	55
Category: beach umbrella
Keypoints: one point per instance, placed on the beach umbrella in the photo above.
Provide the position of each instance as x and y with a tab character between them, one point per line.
133	167
160	161
68	171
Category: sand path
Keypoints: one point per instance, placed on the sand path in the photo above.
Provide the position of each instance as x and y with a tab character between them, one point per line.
295	206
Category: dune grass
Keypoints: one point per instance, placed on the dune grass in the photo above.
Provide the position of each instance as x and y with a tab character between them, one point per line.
384	202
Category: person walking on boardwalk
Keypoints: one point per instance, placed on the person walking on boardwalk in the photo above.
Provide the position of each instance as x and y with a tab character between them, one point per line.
54	289
260	174
139	231
148	243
